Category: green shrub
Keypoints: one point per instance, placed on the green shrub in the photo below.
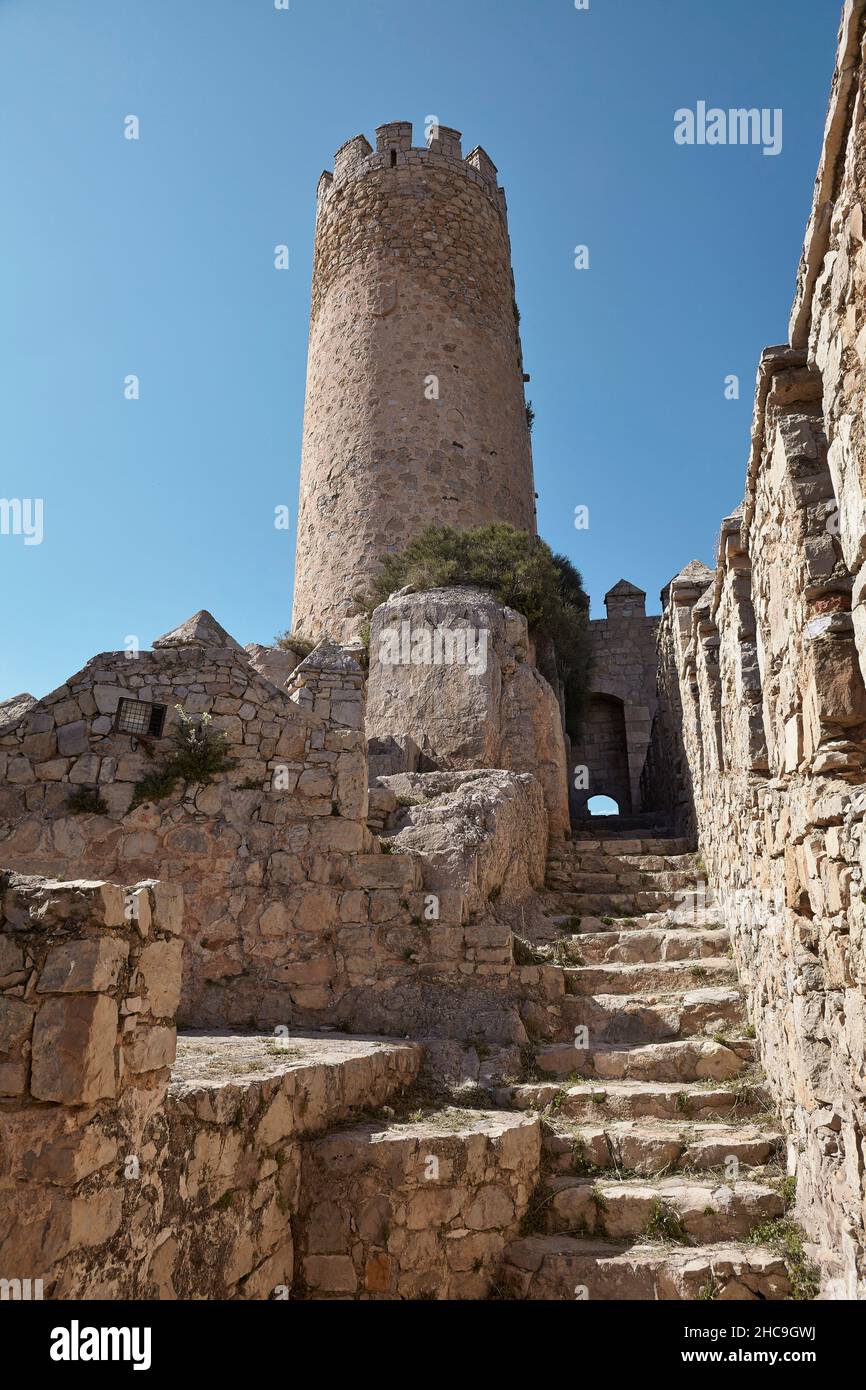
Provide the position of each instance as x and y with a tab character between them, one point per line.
200	753
521	571
290	642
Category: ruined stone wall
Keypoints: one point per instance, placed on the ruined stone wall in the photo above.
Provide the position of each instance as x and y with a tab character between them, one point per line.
120	1179
763	705
827	320
242	846
295	912
415	409
89	987
773	732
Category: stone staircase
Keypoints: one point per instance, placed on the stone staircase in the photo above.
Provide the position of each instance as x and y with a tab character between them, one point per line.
660	1156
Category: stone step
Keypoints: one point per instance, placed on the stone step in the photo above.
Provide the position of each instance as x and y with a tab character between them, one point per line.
644	921
656	976
648	1148
690	1059
583	859
624	1018
651	944
602	1102
625	844
613	904
682	1211
304	1081
562	1268
417	1209
628	880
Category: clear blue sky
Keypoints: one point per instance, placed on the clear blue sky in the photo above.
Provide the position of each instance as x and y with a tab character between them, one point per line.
155	257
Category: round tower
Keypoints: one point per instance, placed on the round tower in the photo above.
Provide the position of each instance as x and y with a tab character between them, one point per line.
415	411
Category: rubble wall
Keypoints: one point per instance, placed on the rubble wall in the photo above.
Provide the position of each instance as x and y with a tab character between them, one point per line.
296	913
229	1171
763	706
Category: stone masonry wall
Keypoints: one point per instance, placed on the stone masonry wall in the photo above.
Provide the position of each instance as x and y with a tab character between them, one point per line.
402	431
295	913
420	1211
89	987
121	1180
763	704
773	728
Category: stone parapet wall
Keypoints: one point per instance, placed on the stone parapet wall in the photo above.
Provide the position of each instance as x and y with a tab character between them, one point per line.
767	722
763	705
423	1210
89	987
295	914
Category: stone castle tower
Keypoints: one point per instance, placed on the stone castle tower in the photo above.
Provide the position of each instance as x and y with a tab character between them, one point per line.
415	409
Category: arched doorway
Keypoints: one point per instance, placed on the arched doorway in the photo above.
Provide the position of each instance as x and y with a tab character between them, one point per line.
603	752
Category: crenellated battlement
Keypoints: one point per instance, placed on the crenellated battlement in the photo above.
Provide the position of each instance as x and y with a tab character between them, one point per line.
394	150
415	382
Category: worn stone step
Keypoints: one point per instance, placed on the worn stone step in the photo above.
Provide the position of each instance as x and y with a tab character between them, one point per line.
632	903
602	1102
311	1081
644	978
644	921
629	844
651	944
416	1209
618	1018
688	1059
604	863
649	1148
695	1210
629	879
560	1267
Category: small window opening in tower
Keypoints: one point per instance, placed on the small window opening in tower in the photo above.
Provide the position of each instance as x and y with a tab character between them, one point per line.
602	806
393	159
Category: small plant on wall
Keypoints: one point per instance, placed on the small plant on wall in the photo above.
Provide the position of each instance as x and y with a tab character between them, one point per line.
200	753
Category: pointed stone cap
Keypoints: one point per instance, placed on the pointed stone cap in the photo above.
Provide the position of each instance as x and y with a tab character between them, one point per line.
690	582
327	656
625	600
695	572
625	588
201	630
